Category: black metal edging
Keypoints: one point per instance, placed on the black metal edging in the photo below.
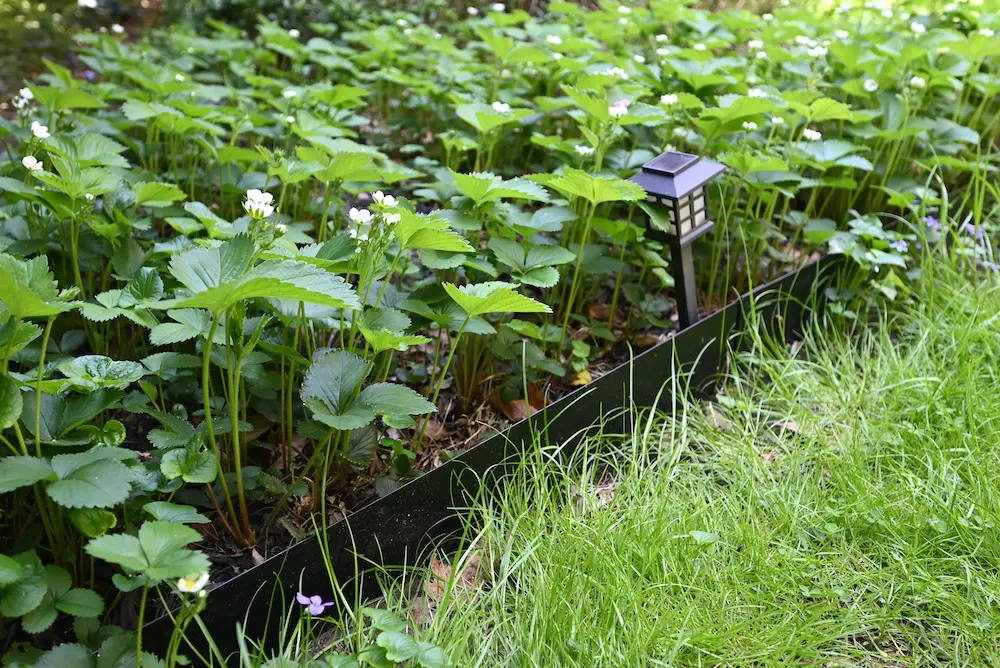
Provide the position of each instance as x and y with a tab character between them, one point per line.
392	530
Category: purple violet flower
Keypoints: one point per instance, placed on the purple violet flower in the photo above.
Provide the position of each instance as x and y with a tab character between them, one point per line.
992	266
972	230
315	604
932	223
899	246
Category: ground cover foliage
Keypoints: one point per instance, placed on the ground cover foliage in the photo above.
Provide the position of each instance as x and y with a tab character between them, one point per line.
245	278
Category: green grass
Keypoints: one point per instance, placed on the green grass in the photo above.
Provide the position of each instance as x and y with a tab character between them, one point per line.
837	506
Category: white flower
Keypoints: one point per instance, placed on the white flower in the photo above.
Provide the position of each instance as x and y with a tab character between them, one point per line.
19	102
584	150
668	99
88	196
33	24
749	126
623	21
87	4
352	233
289	119
663	51
918	28
842	34
624	10
289	93
871	85
700	47
680	133
258	204
39	130
756	92
117	28
26	93
281	228
194	583
986	32
616	72
499	7
557	56
760	55
500	107
950	7
472	11
179	77
941	50
402	23
887	13
768	16
662	37
917	82
669	148
802	40
617	112
385	200
360	216
811	135
393	218
639	58
31	163
817	52
554	40
755	44
294	33
777	120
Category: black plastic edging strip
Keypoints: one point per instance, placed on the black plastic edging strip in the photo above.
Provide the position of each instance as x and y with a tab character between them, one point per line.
392	530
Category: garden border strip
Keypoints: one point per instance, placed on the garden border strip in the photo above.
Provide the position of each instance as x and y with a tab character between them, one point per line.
394	529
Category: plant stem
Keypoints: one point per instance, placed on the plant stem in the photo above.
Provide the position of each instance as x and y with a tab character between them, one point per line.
206	398
38	386
138	630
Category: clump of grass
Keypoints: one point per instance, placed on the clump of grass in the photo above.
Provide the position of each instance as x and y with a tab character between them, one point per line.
837	504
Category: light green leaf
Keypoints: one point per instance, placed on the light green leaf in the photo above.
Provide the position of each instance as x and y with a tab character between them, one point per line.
92	372
80	603
160	551
173	512
27	288
92	522
21	471
86	483
393	399
493	297
11	402
157	195
66	656
190	465
333	378
596	190
398	646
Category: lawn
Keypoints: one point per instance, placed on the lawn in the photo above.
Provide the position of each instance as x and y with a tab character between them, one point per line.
835	504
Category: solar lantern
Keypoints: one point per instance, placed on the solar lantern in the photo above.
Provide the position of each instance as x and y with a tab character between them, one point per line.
676	186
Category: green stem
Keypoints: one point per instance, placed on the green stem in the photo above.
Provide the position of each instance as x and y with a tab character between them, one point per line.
440	382
206	398
38	386
138	631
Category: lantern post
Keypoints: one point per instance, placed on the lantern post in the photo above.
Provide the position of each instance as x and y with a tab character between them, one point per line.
676	186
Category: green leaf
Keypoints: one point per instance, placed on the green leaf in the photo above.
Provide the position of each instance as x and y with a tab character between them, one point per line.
493	297
11	403
22	471
157	195
27	288
66	656
10	570
86	483
190	465
596	190
89	150
27	592
93	372
92	522
160	551
221	276
172	512
333	378
398	646
430	232
483	187
393	399
80	603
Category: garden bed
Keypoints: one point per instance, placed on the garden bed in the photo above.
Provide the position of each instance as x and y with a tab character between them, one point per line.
393	531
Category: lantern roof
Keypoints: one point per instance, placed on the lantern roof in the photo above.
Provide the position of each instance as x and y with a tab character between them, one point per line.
674	174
